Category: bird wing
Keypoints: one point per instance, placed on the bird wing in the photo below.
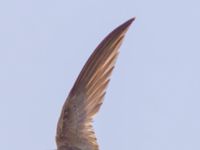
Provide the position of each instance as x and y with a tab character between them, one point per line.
74	128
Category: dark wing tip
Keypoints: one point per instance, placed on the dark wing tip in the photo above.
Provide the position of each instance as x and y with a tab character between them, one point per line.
125	25
120	30
128	23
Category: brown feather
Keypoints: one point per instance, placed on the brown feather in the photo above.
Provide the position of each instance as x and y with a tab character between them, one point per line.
74	129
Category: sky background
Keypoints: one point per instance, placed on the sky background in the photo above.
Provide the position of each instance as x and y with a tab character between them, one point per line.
153	100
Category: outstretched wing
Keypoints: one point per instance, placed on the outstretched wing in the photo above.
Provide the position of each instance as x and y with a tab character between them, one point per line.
74	129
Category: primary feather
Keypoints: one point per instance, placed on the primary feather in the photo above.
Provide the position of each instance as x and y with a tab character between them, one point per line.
74	128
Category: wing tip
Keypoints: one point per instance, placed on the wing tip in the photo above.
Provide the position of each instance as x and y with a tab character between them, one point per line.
129	22
126	24
121	29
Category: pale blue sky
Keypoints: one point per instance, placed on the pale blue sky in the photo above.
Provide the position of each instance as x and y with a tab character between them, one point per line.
153	100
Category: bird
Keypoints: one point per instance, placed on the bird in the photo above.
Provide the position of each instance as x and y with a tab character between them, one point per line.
74	127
